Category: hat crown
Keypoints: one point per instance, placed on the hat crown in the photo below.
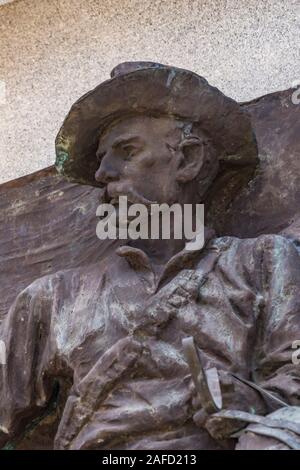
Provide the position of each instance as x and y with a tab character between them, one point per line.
127	67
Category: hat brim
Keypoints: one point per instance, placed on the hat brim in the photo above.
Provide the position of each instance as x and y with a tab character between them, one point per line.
159	90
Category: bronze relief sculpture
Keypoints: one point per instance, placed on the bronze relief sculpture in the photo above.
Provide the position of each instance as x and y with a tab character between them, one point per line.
101	357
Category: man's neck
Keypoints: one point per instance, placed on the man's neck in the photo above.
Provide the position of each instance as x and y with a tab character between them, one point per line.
159	251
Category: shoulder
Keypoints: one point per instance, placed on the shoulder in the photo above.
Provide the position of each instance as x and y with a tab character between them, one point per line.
252	252
64	283
265	242
276	246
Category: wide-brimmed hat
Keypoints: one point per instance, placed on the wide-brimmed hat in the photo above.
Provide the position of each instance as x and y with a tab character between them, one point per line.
156	89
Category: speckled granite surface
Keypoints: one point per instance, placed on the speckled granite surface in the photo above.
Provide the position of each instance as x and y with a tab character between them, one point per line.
3	2
51	52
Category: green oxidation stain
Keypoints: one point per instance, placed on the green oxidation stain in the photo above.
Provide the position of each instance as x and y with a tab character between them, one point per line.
61	159
9	446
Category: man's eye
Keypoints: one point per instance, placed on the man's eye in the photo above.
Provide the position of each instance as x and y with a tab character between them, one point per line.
130	150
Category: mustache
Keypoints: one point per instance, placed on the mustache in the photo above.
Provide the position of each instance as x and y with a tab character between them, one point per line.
115	190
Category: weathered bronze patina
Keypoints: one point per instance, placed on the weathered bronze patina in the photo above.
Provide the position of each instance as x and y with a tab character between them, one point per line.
95	353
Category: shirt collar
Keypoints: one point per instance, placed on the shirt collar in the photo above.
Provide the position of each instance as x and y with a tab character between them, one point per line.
140	261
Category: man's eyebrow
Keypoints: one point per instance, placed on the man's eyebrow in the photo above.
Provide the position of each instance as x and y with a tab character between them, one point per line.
124	139
120	140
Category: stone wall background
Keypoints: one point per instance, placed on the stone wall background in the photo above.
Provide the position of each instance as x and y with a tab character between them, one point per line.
53	51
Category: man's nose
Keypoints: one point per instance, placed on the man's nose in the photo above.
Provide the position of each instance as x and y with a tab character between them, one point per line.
107	172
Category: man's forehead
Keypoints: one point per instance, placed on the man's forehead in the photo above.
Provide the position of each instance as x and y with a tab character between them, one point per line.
138	127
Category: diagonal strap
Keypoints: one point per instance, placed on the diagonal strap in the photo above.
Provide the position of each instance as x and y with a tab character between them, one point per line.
263	420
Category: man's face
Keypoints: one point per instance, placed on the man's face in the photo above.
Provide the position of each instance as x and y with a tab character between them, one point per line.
137	160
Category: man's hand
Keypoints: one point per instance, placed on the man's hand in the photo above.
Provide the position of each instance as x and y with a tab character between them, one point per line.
235	396
117	362
218	427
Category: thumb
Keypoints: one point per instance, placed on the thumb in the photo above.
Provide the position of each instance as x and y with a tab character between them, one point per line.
200	418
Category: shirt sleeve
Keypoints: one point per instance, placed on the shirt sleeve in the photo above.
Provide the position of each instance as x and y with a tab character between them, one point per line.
25	387
278	320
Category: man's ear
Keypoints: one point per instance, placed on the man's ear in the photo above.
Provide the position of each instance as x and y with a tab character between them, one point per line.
192	159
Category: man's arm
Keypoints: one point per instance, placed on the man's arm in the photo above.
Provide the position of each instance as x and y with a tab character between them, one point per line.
25	332
276	276
278	323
